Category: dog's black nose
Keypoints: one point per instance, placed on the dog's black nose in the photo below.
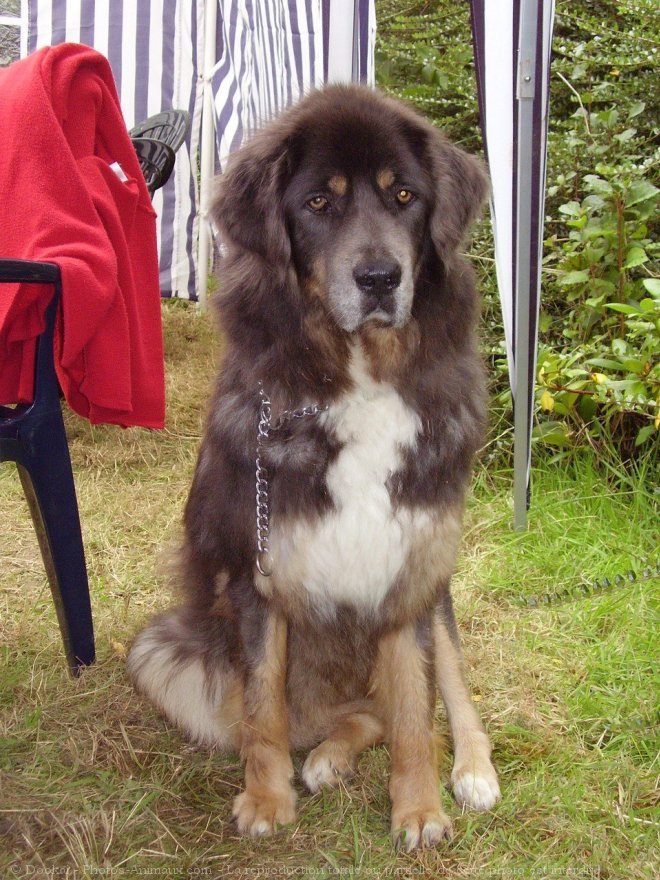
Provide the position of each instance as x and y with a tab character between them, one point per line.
378	277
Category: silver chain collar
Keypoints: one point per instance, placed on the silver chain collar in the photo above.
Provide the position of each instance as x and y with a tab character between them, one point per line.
264	428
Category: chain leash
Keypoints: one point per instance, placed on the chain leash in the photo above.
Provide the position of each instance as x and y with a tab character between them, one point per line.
265	427
264	561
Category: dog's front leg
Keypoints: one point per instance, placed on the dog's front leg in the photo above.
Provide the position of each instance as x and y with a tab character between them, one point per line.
269	798
473	778
405	694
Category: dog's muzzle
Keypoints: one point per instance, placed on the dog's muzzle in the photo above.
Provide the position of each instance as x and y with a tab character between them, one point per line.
378	282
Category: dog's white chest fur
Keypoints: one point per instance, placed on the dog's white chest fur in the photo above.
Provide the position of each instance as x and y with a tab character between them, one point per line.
354	553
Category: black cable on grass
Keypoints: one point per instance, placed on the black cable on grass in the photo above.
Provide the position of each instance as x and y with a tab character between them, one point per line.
587	589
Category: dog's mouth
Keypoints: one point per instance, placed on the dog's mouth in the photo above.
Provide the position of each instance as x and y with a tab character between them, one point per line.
379	313
374	290
378	283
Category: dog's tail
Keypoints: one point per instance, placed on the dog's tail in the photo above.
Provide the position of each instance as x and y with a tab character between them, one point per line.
181	662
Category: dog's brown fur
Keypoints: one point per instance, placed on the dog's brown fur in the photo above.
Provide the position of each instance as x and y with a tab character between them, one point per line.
341	286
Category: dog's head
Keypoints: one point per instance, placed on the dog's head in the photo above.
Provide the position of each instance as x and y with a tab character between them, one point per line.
351	190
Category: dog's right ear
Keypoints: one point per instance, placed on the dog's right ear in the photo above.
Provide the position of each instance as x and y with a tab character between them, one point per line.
247	207
461	186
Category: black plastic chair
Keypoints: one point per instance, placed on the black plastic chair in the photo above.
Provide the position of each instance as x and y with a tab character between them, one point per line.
33	436
156	161
156	141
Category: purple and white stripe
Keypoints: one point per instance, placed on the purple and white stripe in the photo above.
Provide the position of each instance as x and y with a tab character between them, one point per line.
151	46
270	54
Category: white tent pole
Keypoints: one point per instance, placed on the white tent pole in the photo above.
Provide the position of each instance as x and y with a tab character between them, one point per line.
207	153
526	88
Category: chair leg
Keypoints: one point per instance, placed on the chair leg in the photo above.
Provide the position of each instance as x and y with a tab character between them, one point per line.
47	479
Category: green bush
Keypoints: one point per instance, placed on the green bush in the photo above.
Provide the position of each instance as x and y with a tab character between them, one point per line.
598	376
598	367
423	56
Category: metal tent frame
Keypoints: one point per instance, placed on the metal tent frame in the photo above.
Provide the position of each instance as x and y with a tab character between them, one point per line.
512	40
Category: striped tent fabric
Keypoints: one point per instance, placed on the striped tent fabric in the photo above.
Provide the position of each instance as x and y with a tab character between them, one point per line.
267	54
270	54
152	49
512	45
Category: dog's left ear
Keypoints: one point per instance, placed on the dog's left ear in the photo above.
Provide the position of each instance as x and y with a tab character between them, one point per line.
247	207
461	187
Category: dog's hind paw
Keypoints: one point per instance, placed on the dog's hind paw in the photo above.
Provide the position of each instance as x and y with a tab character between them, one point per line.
420	830
477	789
261	814
327	764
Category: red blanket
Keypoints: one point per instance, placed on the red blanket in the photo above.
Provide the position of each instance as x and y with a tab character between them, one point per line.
62	202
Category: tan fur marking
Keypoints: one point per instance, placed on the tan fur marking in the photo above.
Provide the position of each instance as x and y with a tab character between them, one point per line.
335	758
401	690
338	184
268	799
463	717
385	178
316	286
389	350
222	607
323	333
230	712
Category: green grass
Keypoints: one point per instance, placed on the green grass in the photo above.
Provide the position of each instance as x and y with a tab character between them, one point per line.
91	778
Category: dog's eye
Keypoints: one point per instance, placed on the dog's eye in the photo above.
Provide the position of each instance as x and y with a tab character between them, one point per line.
404	197
318	203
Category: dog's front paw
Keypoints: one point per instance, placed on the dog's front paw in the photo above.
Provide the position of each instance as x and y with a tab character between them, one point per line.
327	764
420	829
261	813
476	786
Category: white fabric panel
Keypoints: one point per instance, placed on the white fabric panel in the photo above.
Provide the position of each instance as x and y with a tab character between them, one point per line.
498	129
340	41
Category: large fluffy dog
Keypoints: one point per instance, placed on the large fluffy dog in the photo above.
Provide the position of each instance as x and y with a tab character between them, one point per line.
351	374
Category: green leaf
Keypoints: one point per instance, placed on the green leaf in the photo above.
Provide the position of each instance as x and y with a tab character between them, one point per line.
626	135
428	72
578	276
552	433
635	257
634	366
643	434
623	308
652	285
603	288
604	363
545	322
631	387
641	191
597	184
572	209
587	407
594	201
636	109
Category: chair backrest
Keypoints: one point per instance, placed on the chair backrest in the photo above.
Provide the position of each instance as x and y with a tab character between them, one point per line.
169	127
46	394
156	161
